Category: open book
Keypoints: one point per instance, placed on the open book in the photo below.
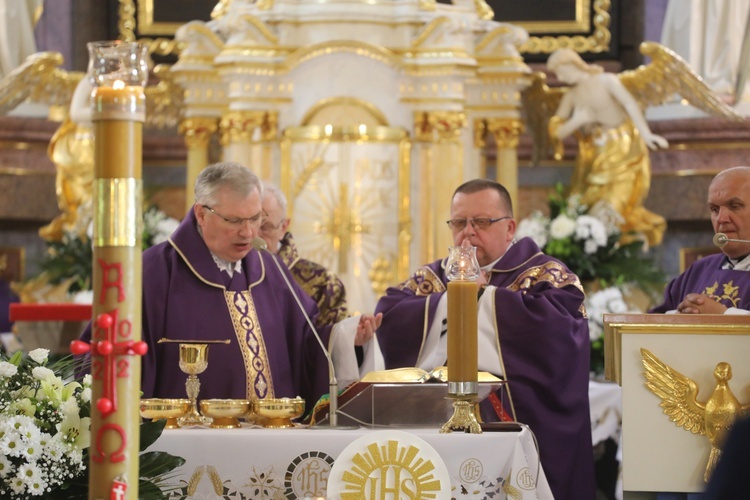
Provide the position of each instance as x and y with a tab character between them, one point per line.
413	375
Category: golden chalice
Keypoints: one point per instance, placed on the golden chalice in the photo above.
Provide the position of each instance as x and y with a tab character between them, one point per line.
225	413
277	413
193	360
169	409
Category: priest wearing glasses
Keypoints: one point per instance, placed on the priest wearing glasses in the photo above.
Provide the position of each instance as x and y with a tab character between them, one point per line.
208	282
533	332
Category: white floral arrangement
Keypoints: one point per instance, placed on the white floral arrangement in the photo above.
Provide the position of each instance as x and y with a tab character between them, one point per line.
157	227
588	240
574	227
44	426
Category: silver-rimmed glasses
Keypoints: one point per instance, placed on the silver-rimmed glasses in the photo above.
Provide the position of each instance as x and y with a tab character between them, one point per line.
255	221
476	223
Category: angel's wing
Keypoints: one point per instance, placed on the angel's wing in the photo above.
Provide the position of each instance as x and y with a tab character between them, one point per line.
540	102
668	74
39	79
677	392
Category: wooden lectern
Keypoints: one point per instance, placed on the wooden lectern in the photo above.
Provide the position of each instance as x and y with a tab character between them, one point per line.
657	454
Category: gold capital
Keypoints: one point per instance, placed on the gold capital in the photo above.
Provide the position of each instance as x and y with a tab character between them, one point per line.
198	131
238	127
505	131
438	126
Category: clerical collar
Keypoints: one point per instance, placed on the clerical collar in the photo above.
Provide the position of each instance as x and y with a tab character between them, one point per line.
739	264
223	265
491	265
229	267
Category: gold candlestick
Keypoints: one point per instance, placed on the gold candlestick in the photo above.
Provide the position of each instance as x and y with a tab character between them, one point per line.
118	72
462	269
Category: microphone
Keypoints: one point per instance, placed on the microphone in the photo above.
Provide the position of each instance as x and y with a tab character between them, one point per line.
721	240
333	384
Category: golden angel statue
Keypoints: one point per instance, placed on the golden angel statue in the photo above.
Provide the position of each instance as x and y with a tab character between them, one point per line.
678	394
605	112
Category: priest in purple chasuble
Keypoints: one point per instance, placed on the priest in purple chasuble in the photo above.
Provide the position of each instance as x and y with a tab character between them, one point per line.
719	283
208	283
533	331
323	286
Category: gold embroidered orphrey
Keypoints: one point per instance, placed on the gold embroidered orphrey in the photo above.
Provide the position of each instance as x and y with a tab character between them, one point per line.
678	394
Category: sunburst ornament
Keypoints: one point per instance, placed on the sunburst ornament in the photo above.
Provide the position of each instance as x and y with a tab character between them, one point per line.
393	462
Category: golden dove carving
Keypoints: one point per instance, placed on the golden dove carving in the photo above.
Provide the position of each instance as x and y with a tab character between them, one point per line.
679	394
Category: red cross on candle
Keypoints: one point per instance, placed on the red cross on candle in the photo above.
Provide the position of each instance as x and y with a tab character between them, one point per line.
108	348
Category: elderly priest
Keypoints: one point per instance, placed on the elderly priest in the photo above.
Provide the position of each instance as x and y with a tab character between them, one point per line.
207	282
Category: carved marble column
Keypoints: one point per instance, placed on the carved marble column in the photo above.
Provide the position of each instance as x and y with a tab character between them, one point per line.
494	99
197	132
506	131
440	160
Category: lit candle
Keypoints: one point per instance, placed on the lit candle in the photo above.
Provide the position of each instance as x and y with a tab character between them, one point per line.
462	270
118	116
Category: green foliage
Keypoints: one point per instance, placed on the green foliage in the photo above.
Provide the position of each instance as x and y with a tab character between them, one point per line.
69	258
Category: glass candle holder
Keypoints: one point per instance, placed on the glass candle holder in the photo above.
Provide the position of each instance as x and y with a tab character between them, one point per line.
462	269
116	61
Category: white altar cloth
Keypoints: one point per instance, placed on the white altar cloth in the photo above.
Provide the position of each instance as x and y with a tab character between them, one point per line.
294	463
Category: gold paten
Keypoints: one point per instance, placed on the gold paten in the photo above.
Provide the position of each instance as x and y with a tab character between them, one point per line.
277	413
165	409
678	394
225	413
121	202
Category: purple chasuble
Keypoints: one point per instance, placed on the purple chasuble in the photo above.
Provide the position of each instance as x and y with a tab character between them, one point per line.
324	287
727	286
544	343
272	351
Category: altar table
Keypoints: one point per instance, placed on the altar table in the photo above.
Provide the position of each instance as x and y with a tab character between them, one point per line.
254	463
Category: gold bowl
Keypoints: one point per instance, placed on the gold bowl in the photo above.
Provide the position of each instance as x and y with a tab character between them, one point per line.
169	409
225	413
277	413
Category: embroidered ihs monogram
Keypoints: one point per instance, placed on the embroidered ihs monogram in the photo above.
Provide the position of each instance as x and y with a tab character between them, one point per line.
729	292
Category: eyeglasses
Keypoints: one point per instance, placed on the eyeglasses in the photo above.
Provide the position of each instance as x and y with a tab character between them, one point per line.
267	226
478	223
238	222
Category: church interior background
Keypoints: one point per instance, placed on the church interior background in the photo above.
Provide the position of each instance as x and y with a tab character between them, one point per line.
448	123
367	114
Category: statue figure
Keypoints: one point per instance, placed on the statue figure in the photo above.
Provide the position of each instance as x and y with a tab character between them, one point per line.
605	112
613	162
72	151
